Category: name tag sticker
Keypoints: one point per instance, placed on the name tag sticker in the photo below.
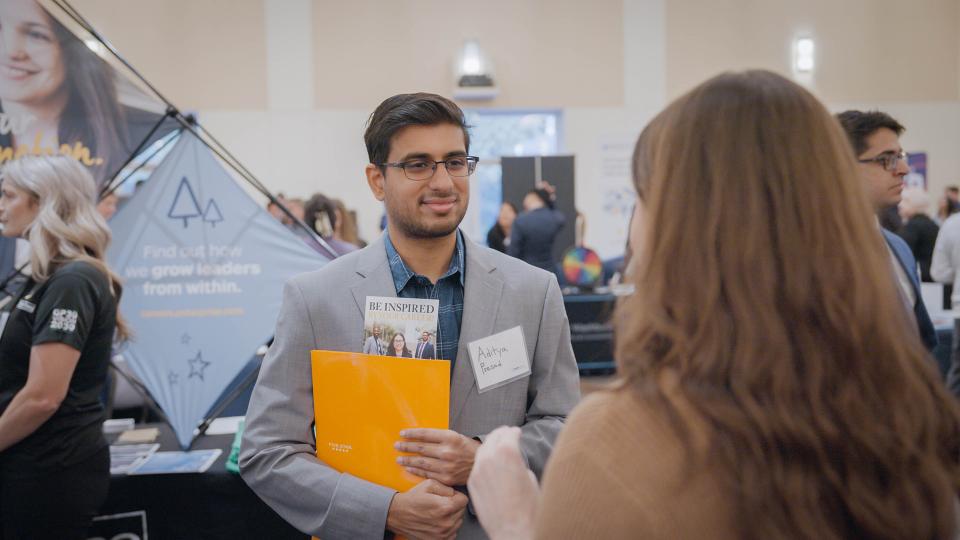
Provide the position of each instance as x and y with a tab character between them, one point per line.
499	359
24	305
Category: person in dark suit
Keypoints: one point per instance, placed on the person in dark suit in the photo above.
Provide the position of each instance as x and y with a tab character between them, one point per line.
534	231
919	231
424	347
882	164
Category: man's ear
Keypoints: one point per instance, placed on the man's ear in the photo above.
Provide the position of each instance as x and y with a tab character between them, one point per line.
375	180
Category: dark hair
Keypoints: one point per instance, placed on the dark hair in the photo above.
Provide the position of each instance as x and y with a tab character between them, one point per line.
402	110
952	207
405	352
953	189
544	197
93	114
320	213
859	125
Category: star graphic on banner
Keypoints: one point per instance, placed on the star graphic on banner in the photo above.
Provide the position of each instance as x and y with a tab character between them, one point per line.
173	377
185	338
197	365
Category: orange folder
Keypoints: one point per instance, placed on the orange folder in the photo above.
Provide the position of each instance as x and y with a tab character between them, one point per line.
361	403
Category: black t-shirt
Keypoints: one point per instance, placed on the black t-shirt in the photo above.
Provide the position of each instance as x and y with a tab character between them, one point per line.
75	307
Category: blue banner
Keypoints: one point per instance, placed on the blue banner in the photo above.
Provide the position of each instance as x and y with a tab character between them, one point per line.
203	267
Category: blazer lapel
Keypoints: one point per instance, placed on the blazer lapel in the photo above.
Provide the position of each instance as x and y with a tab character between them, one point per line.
377	280
911	272
481	299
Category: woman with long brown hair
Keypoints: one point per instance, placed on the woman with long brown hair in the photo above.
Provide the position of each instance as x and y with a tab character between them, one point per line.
769	385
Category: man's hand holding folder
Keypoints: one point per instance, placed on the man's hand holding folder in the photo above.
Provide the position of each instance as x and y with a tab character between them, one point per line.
429	510
444	455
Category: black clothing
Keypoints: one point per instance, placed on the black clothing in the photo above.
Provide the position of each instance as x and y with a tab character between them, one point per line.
75	307
57	504
497	239
531	239
890	218
920	233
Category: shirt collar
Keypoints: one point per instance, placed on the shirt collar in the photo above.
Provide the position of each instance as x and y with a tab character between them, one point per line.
402	275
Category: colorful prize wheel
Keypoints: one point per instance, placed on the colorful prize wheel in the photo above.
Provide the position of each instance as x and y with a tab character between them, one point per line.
582	267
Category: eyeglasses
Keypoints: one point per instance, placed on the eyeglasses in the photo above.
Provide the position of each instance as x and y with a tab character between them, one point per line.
887	160
424	169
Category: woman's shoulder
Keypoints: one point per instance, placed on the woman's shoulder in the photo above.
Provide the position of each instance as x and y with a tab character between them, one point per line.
656	421
80	271
604	417
621	464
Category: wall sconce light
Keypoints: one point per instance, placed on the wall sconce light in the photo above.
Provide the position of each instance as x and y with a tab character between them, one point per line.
803	55
473	74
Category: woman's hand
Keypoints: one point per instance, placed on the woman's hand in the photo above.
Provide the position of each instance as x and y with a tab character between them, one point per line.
504	492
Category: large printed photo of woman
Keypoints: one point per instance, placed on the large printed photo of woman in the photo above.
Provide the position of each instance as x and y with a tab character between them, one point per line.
58	97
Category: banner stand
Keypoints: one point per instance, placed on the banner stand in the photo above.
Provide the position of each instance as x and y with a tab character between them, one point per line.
244	385
190	124
179	388
149	403
108	187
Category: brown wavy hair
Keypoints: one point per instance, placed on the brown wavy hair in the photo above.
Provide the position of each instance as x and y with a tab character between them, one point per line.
765	290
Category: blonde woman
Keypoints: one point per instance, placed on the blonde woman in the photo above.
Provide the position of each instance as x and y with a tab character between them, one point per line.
54	352
766	385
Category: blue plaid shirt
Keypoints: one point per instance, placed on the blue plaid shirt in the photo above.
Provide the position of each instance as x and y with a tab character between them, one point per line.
448	290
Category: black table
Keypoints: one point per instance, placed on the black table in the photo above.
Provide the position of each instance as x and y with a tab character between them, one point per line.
591	331
212	505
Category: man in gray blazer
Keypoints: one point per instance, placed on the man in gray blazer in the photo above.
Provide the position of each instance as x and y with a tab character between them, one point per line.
422	254
375	344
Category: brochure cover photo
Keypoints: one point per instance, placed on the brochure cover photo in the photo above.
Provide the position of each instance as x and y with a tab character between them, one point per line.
400	327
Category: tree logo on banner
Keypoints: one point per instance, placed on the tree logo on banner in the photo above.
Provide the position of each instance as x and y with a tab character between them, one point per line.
212	214
185	206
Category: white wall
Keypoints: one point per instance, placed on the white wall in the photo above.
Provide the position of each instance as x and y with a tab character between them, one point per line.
298	150
261	99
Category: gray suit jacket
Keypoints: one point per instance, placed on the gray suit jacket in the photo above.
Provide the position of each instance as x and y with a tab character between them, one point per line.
324	310
370	346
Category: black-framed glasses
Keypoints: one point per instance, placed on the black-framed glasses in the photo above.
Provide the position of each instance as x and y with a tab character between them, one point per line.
424	169
887	160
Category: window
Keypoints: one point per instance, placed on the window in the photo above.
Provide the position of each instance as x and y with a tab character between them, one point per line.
493	135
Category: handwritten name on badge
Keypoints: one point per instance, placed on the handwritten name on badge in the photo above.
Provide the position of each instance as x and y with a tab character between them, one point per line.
499	359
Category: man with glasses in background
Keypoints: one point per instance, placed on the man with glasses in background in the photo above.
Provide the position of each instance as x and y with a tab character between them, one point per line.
418	147
882	165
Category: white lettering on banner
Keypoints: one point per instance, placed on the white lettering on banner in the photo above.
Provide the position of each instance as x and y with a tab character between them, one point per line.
171	270
192	288
173	278
172	251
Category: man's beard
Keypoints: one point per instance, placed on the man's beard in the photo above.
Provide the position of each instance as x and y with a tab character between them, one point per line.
416	230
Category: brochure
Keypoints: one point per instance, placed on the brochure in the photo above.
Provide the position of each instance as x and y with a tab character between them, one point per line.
401	327
194	461
124	456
